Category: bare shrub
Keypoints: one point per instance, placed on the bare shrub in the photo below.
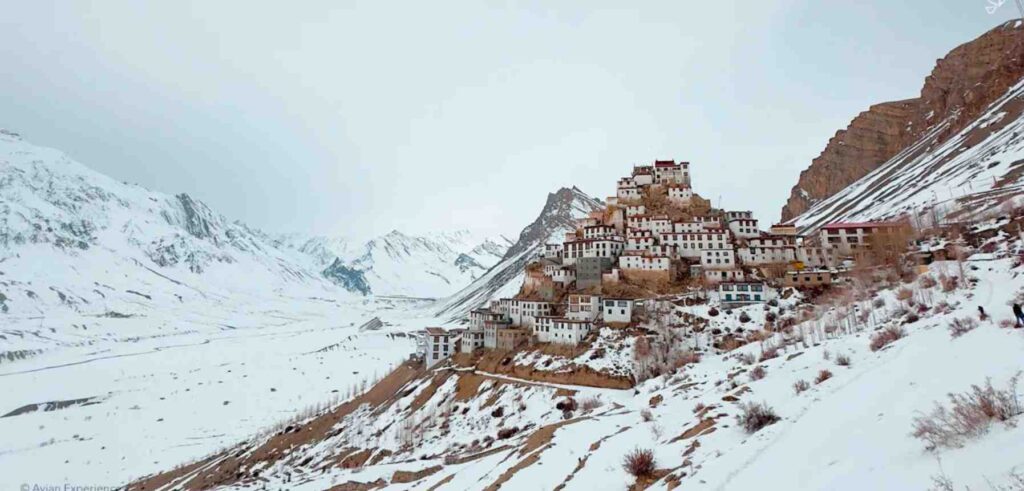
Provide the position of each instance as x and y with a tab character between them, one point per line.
567	404
754	416
822	376
948	283
826	355
746	358
878	303
699	407
904	294
647	415
927	281
961	325
744	318
1006	323
842	360
713	312
590	404
800	386
757	373
886	337
506	433
969	415
768	354
639	463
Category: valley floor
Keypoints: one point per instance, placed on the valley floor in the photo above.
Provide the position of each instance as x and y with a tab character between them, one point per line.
111	399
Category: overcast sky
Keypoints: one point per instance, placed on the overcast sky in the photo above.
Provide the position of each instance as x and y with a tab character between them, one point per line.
355	118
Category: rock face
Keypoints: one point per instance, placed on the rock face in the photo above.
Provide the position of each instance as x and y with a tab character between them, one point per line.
561	210
958	90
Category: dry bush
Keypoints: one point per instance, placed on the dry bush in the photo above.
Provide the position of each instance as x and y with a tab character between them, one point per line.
949	283
800	386
746	358
713	312
567	404
505	433
886	337
744	318
878	303
754	416
842	360
969	414
639	463
768	354
904	294
1007	323
826	355
822	376
590	404
699	407
961	325
927	281
758	373
646	415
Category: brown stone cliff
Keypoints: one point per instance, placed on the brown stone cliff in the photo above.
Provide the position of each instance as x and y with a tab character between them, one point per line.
959	88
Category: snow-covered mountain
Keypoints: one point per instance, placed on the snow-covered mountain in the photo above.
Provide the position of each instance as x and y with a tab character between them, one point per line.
70	237
430	266
557	217
955	150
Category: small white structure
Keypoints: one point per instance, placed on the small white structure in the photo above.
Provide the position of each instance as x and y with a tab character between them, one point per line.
848	237
564	275
634	210
743	228
718	259
736	294
569	331
767	250
524	312
583	307
640	261
680	195
439	344
618	310
552	251
669	172
609	247
690	245
598	231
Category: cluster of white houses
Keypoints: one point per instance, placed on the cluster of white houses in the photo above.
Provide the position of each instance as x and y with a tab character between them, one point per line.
510	323
726	249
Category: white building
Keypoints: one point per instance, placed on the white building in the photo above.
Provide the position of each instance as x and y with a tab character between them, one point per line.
709	222
718	259
524	312
669	172
638	261
635	210
687	227
491	328
564	275
640	243
743	228
609	248
767	250
569	331
583	307
643	175
552	251
617	310
439	344
690	245
848	237
735	294
680	195
817	257
598	231
715	276
628	193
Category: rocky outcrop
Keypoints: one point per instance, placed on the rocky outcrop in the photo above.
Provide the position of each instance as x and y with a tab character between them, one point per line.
959	88
348	278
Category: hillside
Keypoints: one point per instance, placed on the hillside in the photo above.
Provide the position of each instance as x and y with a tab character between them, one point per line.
459	428
958	93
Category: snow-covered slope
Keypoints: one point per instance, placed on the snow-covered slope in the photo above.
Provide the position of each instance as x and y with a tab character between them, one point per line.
849	428
557	217
975	171
71	237
430	266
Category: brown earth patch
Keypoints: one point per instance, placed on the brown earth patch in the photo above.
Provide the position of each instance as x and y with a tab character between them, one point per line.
403	477
705	426
359	486
655	401
442	482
